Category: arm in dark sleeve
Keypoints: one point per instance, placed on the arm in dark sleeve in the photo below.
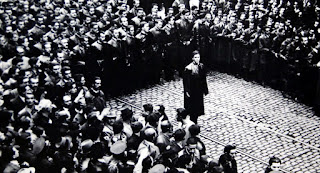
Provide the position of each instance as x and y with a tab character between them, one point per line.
186	81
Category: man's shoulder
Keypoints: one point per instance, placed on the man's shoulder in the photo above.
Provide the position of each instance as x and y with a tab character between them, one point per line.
189	67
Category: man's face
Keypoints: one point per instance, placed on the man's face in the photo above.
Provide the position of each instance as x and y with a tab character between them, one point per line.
82	81
137	3
251	25
192	147
73	23
155	7
9	29
146	27
154	11
82	31
73	13
73	89
124	21
56	69
196	58
109	9
97	84
140	13
21	25
25	42
67	3
88	20
233	153
159	24
92	11
170	12
204	5
132	30
15	37
95	28
56	26
80	2
102	36
219	12
60	56
3	40
67	74
232	20
64	43
208	17
116	34
275	166
34	82
67	101
111	121
182	8
30	99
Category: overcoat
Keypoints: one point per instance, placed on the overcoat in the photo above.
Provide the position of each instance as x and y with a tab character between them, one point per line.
195	84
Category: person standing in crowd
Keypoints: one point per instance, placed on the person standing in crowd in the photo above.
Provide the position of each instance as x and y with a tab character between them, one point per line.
195	86
227	159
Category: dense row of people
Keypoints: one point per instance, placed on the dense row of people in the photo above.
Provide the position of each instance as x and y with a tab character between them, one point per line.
56	55
132	44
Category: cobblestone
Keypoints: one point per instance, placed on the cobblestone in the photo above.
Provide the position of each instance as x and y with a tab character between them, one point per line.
259	120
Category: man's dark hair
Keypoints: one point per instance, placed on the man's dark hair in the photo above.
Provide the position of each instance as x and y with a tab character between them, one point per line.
117	126
228	148
148	107
192	140
274	159
194	130
179	135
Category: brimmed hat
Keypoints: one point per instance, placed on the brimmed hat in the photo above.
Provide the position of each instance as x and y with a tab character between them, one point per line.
118	147
126	113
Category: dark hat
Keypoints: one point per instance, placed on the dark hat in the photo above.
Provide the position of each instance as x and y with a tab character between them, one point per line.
126	114
38	145
118	147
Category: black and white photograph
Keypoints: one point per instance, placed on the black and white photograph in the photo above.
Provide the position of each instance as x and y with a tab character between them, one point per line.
159	86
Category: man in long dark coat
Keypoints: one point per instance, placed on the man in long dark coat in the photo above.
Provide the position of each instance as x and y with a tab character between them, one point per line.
195	86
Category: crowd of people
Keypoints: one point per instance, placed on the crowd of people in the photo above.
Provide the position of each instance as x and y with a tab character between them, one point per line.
59	60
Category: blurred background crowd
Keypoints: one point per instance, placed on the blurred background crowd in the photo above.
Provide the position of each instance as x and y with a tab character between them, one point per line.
60	60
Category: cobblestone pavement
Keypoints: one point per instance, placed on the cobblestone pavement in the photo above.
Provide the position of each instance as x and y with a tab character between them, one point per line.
259	120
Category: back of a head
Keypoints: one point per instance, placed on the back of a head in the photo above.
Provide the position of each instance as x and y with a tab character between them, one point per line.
149	134
148	107
192	141
179	135
117	126
153	118
181	113
194	130
126	114
136	126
